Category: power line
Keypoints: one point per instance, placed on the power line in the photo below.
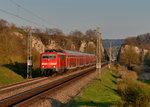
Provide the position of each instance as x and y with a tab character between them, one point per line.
4	11
27	10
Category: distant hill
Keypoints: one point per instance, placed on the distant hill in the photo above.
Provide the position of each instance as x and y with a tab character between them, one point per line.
141	41
115	42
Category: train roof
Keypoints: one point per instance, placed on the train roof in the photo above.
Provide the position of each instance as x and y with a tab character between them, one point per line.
74	52
68	51
59	53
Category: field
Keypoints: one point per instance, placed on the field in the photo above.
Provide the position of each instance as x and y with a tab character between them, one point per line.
100	93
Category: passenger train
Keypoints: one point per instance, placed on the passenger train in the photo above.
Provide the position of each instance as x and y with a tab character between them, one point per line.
64	60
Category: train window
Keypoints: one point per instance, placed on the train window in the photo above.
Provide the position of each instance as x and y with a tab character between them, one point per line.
52	57
49	56
45	56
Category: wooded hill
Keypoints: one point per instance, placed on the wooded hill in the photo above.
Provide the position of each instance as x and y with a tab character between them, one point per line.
141	41
136	51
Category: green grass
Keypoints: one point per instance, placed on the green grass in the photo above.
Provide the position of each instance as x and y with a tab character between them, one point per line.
8	76
100	94
146	81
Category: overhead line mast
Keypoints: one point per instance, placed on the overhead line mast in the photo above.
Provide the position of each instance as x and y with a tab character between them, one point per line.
29	54
99	54
110	56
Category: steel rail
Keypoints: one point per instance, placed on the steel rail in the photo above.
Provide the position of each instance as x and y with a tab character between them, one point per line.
22	85
30	93
30	96
10	85
52	90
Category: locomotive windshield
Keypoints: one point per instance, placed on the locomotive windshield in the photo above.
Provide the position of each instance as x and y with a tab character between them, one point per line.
49	56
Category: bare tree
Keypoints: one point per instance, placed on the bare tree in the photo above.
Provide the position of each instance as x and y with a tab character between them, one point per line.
54	32
91	34
129	57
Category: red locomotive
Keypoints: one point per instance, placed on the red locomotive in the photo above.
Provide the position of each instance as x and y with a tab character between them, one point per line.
63	60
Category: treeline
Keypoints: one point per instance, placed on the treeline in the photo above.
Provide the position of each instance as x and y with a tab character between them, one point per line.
64	40
141	41
71	41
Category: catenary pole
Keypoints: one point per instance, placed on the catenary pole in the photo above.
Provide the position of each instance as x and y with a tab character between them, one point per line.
29	54
98	64
110	56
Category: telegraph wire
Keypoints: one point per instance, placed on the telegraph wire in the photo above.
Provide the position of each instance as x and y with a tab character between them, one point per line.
4	11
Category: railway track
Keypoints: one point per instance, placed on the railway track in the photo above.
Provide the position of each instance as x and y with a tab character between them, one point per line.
15	86
28	97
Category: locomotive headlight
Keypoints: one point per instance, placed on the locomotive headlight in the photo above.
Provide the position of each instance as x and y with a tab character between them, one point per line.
52	63
54	66
42	66
44	63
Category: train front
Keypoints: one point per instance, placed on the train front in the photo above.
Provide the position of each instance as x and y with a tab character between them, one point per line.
48	63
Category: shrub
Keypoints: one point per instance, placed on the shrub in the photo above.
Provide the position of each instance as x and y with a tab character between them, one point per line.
117	65
137	69
128	75
121	88
114	69
132	92
135	94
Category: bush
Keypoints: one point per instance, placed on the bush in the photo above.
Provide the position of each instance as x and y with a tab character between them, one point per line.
137	69
114	70
135	94
117	65
128	76
132	92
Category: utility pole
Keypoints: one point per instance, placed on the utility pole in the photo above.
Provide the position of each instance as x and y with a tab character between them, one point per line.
110	57
29	54
99	54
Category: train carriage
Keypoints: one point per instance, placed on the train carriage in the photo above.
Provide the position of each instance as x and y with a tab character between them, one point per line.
81	60
72	59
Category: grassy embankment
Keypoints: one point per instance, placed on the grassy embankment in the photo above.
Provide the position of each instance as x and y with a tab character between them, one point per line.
119	88
12	74
7	76
101	93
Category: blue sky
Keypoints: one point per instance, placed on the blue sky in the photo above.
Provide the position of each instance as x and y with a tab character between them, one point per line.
116	18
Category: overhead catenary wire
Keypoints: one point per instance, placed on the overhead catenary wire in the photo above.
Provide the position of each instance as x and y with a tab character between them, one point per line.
27	10
12	14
